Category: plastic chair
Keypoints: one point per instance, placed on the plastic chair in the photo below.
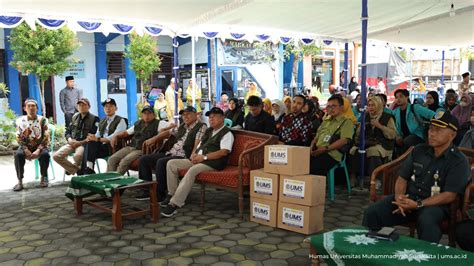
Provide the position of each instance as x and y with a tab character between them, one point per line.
96	163
228	122
331	173
52	128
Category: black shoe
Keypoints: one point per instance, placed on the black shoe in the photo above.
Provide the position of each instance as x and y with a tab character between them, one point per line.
169	210
166	201
88	171
143	196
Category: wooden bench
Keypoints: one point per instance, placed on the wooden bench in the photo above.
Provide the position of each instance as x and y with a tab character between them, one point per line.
247	154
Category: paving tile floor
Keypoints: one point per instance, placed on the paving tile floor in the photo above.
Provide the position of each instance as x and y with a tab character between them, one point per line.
39	227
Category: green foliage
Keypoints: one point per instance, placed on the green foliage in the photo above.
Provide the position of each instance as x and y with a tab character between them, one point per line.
467	53
42	52
7	130
4	89
299	50
143	56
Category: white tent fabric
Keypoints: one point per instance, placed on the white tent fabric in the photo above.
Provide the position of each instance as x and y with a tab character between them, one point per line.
408	22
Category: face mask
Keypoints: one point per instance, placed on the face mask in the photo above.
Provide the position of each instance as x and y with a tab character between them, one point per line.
464	104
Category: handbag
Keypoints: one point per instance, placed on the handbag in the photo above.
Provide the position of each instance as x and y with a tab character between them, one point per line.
337	135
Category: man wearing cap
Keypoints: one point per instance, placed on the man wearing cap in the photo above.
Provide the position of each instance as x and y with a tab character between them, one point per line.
212	153
98	144
429	180
33	138
82	124
145	128
180	144
170	97
68	97
465	86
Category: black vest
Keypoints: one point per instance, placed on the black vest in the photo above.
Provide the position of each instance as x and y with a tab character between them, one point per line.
210	144
375	135
112	127
143	132
81	127
188	142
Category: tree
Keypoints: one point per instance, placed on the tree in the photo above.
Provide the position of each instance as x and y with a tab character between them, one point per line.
143	55
42	52
299	51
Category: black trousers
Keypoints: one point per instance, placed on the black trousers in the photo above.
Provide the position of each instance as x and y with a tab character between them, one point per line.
68	118
320	165
370	165
94	150
465	235
428	219
20	160
157	161
408	141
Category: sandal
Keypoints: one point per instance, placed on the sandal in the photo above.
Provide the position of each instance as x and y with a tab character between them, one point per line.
18	187
43	183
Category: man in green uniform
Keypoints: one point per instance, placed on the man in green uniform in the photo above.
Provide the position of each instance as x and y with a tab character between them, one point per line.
430	178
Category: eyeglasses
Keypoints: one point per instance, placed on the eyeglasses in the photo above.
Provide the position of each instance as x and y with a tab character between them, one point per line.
332	106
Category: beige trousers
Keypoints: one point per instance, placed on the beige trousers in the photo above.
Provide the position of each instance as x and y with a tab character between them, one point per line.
121	160
180	192
60	156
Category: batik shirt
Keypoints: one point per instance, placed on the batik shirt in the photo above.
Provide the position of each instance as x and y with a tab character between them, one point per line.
32	133
296	130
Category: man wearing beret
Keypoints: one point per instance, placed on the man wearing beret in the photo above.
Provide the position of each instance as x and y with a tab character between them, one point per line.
68	97
98	144
429	180
82	124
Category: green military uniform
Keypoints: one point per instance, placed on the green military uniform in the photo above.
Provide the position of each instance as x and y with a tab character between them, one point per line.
451	172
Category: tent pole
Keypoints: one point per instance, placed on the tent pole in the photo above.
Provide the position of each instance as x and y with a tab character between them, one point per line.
365	20
442	67
346	67
175	75
193	71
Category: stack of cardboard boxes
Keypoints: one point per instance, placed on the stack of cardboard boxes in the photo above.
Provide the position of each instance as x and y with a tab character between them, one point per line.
283	194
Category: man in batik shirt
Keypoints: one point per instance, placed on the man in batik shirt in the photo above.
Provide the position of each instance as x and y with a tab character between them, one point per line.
296	128
33	140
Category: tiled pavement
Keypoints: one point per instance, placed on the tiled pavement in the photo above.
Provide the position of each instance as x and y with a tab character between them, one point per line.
39	227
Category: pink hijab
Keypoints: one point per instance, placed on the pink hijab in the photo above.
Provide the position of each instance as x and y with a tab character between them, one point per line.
463	113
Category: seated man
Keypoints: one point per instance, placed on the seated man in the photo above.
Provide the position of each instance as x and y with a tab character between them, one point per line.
212	153
257	120
143	129
325	149
31	134
98	145
430	179
180	146
82	124
296	128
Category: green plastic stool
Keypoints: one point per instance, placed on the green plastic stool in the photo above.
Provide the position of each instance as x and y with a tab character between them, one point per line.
52	128
330	176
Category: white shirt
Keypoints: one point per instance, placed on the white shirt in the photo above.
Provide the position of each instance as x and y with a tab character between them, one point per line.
161	125
226	142
122	126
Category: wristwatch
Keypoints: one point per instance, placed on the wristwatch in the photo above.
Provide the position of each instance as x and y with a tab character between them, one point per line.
419	204
205	157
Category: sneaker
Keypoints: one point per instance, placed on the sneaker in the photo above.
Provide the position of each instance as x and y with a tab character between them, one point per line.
143	196
166	201
378	185
169	210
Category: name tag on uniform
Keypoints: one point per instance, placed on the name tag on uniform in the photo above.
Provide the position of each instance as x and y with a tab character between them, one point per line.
327	138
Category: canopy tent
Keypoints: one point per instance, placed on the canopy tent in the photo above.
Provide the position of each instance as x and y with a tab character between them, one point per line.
409	22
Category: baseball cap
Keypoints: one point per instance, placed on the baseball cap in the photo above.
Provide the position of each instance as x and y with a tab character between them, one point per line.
84	100
215	110
109	100
188	109
444	119
148	108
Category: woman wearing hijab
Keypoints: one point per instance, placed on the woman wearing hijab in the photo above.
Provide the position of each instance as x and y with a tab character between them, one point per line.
356	107
380	133
287	102
432	101
347	110
450	101
353	84
267	105
235	113
462	112
278	112
310	110
160	107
